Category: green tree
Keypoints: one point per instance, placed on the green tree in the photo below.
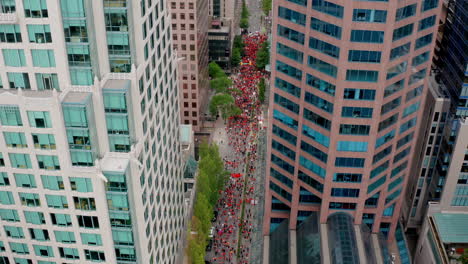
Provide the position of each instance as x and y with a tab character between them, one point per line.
266	6
245	10
464	257
261	90
235	57
244	23
263	55
215	70
221	84
238	43
219	103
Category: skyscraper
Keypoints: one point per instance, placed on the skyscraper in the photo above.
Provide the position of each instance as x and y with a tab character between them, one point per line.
190	36
348	88
89	149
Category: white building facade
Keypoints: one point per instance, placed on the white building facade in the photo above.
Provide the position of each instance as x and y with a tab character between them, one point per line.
90	165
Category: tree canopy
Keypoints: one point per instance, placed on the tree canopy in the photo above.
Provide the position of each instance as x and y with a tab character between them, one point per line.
263	55
215	71
261	90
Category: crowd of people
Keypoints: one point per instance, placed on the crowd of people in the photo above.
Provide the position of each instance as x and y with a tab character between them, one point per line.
232	224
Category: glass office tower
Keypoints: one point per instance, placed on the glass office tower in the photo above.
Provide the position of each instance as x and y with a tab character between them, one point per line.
348	82
90	166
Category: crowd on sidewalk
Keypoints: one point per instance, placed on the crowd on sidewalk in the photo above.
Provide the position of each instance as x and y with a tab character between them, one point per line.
234	208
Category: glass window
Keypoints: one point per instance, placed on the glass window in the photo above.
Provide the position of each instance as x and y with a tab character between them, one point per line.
385	138
10	115
299	2
364	56
30	199
25	180
10	34
84	203
317	119
410	109
287	87
387	107
344	192
14	57
39	119
354	146
115	102
315	135
48	162
75	31
18	80
65	237
416	77
421	58
374	186
35	8
423	41
6	198
43	58
310	181
14	232
324	47
9	215
408	124
61	219
358	130
283	149
362	76
280	191
286	103
400	51
356	112
289	70
39	34
8	6
322	66
429	4
35	218
367	36
47	81
315	152
291	34
72	8
20	160
426	22
117	202
282	164
318	102
81	184
292	15
325	28
405	12
39	234
288	52
285	119
379	169
320	84
311	166
328	8
44	141
349	162
382	154
359	94
56	201
388	122
15	140
397	70
52	182
69	253
369	15
393	88
81	76
342	206
91	239
4	180
19	248
347	177
414	93
402	32
95	256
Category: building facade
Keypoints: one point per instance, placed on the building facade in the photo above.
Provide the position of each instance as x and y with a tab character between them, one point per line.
190	37
348	88
89	148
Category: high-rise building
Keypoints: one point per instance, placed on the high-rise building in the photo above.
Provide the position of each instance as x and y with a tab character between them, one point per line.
451	56
348	89
443	236
90	160
190	38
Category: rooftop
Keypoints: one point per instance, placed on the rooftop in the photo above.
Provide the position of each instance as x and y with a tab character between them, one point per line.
452	227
